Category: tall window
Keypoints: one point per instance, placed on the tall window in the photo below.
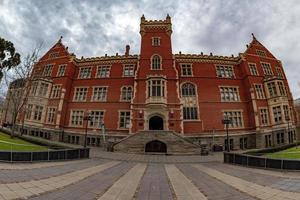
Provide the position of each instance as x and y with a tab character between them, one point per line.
272	89
268	140
61	70
188	89
103	71
43	89
261	53
56	91
126	93
279	72
85	72
277	114
281	88
29	111
286	112
77	118
229	94
280	138
253	69
51	115
235	117
225	71
48	70
128	70
267	68
259	91
156	62
263	112
190	113
80	94
186	70
34	87
38	113
99	93
124	119
96	118
156	88
155	41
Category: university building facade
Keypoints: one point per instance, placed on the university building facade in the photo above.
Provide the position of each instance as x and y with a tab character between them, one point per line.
186	94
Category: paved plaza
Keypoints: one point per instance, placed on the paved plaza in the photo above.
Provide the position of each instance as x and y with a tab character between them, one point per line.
112	176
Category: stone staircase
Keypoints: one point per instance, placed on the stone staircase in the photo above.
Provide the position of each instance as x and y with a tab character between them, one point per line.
176	144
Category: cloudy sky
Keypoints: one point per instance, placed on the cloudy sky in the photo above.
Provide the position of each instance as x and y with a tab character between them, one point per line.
93	28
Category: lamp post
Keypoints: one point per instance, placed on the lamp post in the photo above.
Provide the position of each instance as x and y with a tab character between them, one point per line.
87	119
227	121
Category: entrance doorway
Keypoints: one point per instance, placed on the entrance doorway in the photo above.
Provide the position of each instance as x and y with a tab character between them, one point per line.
156	146
156	123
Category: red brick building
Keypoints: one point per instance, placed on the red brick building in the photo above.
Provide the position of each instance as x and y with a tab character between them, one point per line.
189	94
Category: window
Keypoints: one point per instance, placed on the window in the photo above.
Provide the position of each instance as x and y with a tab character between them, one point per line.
277	114
156	88
281	88
155	41
48	70
188	89
53	55
279	72
38	113
263	112
272	89
267	68
126	93
43	89
268	141
124	119
155	62
96	119
80	94
230	144
280	138
77	118
103	71
235	117
85	72
243	143
286	112
261	53
186	70
253	69
229	94
128	70
225	71
99	93
29	111
34	87
56	91
61	70
190	113
51	115
259	91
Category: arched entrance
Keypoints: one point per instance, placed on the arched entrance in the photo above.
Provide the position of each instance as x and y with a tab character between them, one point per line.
156	123
156	146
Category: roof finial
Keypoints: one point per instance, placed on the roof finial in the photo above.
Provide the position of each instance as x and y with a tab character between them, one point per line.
168	18
143	18
61	37
254	38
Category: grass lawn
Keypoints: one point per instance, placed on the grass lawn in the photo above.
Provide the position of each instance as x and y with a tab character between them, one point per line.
6	143
292	153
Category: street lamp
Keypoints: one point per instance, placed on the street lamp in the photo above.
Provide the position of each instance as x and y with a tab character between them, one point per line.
87	119
227	121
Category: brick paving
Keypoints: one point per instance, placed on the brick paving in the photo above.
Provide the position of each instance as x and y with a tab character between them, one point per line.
145	177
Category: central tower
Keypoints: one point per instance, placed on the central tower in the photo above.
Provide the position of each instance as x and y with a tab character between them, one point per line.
156	80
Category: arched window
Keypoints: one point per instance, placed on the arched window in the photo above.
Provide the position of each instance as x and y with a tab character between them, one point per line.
126	93
156	62
188	89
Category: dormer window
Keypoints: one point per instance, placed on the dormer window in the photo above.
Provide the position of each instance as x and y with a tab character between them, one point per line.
156	62
261	53
155	41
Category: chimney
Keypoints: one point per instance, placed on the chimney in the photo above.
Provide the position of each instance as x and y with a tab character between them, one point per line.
127	50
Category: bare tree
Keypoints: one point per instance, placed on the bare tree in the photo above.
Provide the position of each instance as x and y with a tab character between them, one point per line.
19	81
